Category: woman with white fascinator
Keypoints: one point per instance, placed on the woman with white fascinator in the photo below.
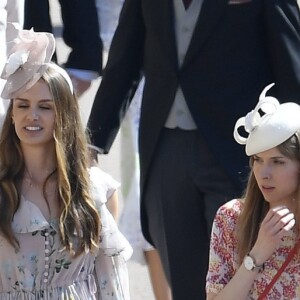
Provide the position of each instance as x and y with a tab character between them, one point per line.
254	251
57	239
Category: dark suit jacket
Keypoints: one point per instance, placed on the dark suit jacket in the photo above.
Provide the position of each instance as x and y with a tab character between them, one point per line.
236	50
80	30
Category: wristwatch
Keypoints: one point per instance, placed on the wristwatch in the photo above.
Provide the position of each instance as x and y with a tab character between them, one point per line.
250	264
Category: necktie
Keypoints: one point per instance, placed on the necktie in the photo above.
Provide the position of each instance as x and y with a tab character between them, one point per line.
186	3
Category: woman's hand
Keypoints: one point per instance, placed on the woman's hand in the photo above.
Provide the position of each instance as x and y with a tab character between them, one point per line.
277	222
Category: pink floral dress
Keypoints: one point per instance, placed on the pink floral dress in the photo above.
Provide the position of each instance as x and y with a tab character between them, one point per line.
44	270
223	259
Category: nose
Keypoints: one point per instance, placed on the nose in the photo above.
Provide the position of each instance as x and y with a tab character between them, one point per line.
266	172
33	115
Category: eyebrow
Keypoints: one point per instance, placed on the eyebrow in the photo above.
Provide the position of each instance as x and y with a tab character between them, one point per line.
272	157
27	100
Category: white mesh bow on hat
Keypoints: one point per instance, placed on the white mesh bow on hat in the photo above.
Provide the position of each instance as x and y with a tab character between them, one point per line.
268	125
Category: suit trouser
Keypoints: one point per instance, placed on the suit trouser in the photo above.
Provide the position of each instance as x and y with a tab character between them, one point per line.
184	190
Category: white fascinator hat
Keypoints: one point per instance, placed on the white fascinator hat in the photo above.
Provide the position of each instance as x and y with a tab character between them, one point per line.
268	125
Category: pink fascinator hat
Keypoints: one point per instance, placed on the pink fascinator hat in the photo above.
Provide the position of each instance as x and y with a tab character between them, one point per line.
268	125
27	61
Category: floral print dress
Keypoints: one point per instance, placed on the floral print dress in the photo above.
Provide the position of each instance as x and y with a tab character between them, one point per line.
44	270
223	259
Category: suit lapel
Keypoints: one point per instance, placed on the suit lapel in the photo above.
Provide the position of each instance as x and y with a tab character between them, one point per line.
166	31
209	16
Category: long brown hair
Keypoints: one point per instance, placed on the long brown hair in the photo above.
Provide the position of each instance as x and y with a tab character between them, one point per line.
255	207
78	211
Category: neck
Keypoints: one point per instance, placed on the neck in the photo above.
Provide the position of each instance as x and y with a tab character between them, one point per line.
39	177
39	163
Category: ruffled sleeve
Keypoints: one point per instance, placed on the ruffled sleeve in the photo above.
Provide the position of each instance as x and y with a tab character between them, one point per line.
106	185
223	256
110	265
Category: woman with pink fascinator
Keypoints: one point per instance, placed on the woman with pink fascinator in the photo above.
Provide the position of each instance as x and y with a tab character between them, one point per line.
255	241
57	238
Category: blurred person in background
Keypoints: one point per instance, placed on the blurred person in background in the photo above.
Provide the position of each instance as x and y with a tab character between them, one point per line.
10	11
80	33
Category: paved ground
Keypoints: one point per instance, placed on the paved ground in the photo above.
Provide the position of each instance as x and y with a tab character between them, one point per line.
139	280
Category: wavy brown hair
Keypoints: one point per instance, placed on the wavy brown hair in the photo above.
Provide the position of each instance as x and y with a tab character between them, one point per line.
78	210
255	207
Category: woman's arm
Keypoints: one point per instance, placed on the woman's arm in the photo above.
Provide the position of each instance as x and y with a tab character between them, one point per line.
238	287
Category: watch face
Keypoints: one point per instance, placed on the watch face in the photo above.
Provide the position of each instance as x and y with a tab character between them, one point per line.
249	264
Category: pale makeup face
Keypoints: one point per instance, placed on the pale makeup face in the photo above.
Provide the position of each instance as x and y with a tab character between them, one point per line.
277	177
34	116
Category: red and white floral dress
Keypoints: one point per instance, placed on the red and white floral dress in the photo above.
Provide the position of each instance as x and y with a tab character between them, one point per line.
223	260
